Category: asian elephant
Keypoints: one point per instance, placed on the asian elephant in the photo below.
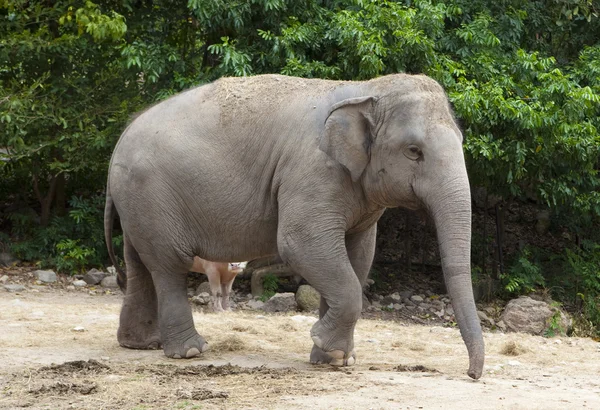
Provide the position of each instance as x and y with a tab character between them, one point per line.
248	167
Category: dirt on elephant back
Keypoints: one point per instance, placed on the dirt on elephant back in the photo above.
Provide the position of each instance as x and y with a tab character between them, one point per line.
59	351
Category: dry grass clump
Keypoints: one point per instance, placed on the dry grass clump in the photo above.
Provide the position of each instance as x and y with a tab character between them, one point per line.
512	348
230	344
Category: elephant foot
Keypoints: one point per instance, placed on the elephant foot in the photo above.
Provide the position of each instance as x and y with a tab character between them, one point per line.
128	340
192	347
334	358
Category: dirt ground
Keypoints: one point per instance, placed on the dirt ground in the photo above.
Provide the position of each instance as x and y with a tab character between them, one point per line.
59	350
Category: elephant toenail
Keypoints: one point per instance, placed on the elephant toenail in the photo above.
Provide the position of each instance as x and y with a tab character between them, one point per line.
192	352
205	347
176	356
350	361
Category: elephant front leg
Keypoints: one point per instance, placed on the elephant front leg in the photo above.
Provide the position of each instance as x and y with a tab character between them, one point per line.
361	250
321	258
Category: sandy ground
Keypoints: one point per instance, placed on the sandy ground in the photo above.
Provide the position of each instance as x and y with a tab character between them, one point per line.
260	361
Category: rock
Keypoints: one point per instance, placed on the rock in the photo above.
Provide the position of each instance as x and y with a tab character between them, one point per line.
14	288
202	298
304	319
255	304
485	320
79	283
3	279
376	304
449	310
416	298
281	302
112	270
425	305
94	276
393	298
398	306
501	325
70	287
204	287
46	276
307	298
405	294
78	329
110	282
532	316
6	259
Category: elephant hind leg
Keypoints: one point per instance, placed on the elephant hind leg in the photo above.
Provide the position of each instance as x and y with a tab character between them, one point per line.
138	323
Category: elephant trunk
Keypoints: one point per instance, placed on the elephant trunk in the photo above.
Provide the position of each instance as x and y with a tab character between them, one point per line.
450	207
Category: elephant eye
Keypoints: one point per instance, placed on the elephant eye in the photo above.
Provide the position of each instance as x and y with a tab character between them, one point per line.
413	152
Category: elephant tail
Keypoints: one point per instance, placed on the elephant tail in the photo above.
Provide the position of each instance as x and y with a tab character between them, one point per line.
109	218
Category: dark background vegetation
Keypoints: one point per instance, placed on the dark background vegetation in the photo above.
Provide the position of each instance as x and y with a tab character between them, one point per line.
523	77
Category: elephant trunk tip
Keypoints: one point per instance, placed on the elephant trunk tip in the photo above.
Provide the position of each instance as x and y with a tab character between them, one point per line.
476	361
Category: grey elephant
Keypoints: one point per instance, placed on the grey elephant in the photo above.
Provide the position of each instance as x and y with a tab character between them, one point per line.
248	167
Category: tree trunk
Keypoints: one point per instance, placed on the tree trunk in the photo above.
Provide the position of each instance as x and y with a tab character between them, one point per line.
45	202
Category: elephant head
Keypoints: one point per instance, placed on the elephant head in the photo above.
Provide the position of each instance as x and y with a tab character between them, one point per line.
399	140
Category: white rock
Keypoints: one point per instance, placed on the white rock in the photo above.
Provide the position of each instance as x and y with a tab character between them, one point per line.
416	298
304	319
46	276
3	278
79	283
78	329
514	363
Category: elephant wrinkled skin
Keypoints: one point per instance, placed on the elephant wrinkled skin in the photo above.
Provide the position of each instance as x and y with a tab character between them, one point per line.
248	167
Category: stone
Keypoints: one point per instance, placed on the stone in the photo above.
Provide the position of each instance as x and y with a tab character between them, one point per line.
255	304
79	283
78	329
398	306
70	287
449	310
501	325
425	305
94	276
405	294
202	298
14	288
532	316
45	276
416	298
393	298
3	279
204	287
8	260
307	298
110	282
281	302
304	319
112	270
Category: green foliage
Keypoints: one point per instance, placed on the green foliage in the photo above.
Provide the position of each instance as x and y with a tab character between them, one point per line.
270	285
524	274
70	243
583	284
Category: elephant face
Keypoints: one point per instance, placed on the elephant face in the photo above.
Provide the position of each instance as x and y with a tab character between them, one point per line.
402	145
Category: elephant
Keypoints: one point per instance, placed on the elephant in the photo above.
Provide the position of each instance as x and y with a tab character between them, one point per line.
243	168
220	278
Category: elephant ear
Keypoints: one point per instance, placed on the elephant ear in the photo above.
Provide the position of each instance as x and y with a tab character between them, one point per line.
347	136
